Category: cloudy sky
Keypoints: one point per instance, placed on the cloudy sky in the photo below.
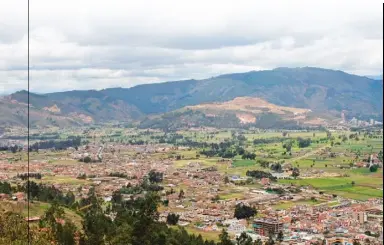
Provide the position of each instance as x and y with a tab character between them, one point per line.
97	44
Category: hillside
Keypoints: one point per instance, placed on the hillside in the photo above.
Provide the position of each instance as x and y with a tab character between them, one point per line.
241	112
320	90
313	88
81	107
15	114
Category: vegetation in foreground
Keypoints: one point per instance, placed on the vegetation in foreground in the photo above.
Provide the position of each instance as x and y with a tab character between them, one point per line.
134	221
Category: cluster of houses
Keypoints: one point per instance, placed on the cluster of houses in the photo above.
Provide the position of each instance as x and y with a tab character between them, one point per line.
207	200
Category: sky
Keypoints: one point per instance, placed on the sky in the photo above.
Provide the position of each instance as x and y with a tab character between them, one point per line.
99	44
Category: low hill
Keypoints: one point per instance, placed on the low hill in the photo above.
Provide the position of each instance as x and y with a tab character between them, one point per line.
241	112
247	108
81	107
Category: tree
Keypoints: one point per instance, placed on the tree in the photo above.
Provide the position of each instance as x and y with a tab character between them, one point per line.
324	242
380	156
241	137
295	173
276	167
263	163
260	174
14	148
373	168
5	187
216	198
226	180
14	230
172	219
166	202
33	189
303	142
224	238
49	218
87	159
181	194
155	177
248	155
270	240
117	197
96	226
244	239
280	236
288	146
136	222
82	176
356	242
258	242
64	234
344	138
69	198
240	150
243	211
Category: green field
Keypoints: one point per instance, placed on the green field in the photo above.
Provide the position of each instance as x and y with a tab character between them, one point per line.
243	163
208	235
306	159
289	204
61	179
365	187
231	196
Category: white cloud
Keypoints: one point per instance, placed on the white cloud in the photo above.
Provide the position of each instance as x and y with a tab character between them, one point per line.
98	44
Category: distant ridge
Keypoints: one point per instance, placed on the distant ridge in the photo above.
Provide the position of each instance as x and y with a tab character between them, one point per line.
377	77
318	89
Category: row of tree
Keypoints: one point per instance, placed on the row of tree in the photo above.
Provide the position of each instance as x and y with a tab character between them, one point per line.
47	193
57	144
5	188
11	148
30	175
258	174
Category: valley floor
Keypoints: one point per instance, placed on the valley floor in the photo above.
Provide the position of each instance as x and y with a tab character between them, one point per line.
333	174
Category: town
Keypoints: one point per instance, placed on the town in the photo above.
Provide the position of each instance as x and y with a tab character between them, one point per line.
304	186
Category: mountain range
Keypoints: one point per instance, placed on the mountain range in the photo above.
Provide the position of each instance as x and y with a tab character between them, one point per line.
322	91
